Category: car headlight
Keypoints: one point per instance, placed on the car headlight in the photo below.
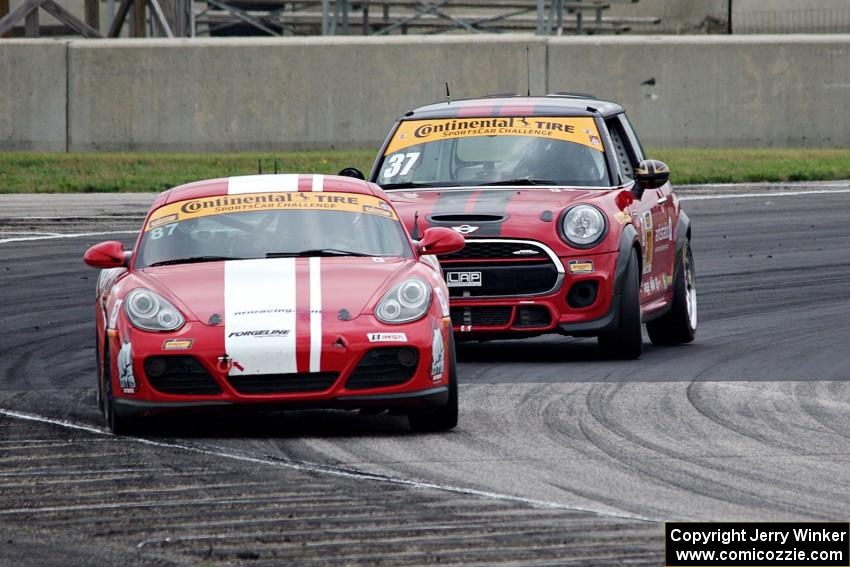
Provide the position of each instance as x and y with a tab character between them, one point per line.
408	301
149	311
583	226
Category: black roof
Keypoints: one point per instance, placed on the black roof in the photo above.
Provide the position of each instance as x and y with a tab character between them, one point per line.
558	104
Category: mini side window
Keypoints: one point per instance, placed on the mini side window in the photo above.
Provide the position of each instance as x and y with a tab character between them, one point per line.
622	149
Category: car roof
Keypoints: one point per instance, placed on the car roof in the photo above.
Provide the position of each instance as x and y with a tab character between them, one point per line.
305	182
557	104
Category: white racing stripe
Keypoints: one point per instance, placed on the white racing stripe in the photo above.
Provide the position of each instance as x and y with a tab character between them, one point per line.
262	183
318	183
315	314
259	320
337	471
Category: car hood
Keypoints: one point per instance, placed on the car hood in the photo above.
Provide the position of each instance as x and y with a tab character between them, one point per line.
263	286
489	212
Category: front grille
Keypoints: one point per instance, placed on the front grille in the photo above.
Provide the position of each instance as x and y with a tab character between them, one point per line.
385	366
500	280
180	375
482	316
476	250
532	316
502	268
282	383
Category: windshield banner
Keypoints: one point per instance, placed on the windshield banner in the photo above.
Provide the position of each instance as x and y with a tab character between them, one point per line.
222	204
580	130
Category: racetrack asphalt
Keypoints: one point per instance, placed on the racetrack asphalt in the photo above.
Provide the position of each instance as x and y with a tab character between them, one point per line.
560	456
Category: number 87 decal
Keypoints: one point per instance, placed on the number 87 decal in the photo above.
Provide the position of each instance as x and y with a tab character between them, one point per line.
400	164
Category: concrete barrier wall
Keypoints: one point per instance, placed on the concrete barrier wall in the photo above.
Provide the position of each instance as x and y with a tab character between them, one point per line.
250	94
32	95
759	91
287	93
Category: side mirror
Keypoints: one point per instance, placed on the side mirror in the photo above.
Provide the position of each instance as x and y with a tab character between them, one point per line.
109	254
651	174
441	240
352	172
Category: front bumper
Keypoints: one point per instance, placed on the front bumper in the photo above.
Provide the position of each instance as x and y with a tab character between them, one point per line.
508	317
340	384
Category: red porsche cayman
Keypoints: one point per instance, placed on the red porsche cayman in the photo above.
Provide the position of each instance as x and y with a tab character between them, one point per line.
275	290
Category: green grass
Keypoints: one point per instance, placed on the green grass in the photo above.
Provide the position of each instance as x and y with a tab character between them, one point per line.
116	172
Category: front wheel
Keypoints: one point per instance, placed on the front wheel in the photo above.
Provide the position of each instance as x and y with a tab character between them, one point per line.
679	325
626	341
443	418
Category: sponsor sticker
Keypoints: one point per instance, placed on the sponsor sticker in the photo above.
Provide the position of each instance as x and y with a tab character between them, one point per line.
622	217
580	130
113	316
177	344
444	303
222	204
387	337
580	266
260	333
463	279
126	378
438	358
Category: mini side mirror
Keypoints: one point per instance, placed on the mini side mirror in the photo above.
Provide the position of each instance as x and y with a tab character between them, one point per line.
352	172
651	174
109	254
441	240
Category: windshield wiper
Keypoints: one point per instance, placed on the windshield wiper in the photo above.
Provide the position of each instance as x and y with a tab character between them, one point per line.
316	252
193	260
520	181
417	185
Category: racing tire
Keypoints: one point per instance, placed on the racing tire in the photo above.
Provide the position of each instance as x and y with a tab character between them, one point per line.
116	423
626	340
444	417
679	325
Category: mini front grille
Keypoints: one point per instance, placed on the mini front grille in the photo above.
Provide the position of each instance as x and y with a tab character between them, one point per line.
182	375
384	366
482	316
476	250
282	383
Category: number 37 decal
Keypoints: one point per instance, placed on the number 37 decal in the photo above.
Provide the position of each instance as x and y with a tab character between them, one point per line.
400	164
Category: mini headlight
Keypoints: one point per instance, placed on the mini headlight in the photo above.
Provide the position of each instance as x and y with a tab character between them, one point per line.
149	311
408	301
583	226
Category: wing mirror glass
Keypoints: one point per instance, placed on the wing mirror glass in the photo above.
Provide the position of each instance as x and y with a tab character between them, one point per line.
441	240
109	254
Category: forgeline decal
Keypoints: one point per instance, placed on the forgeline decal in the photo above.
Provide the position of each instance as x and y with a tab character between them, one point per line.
387	337
438	358
177	344
126	379
260	333
222	204
580	130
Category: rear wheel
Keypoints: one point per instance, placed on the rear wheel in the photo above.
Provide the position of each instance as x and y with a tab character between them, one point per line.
679	324
117	423
626	341
444	417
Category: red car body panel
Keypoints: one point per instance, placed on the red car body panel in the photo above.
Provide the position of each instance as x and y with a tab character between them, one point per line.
328	305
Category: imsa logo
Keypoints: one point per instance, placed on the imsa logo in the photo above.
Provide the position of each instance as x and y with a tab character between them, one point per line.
463	279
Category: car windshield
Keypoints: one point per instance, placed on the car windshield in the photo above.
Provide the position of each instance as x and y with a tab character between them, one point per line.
271	225
503	150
